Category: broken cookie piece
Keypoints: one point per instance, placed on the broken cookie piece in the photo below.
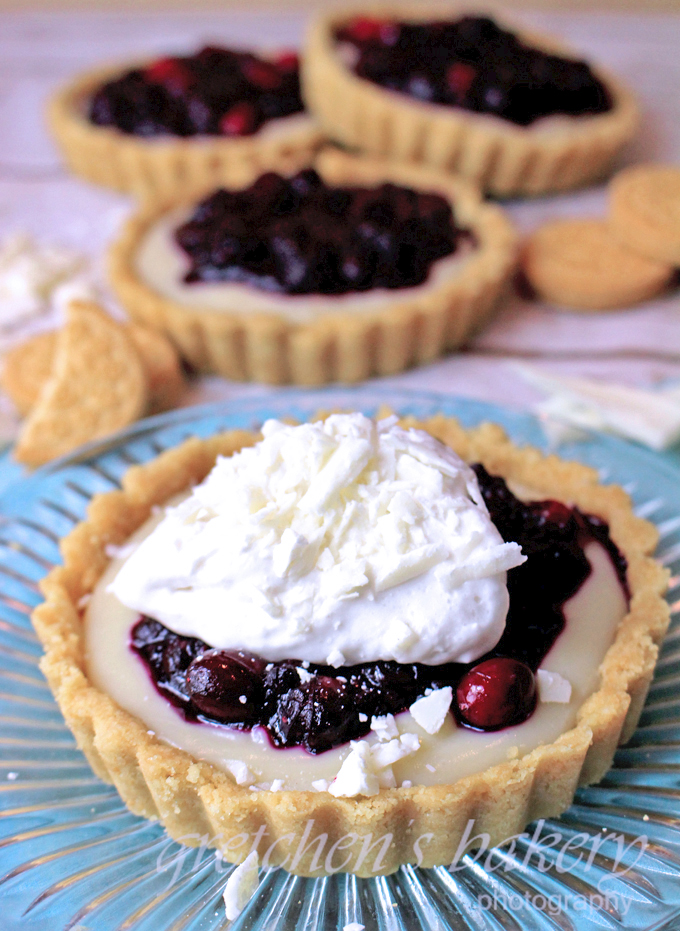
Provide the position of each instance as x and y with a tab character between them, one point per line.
97	386
27	367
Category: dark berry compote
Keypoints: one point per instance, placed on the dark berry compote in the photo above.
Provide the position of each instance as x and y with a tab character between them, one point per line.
319	707
216	92
299	236
471	63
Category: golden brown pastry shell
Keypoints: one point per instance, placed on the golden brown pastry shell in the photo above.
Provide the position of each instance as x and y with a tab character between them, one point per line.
556	154
164	164
417	326
199	804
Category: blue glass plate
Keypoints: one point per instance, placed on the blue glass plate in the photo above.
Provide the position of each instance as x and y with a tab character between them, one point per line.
73	857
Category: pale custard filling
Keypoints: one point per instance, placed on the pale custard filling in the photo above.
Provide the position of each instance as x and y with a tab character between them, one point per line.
592	617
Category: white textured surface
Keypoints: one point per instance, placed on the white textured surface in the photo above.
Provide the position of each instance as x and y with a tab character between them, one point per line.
552	687
368	767
430	711
640	346
324	541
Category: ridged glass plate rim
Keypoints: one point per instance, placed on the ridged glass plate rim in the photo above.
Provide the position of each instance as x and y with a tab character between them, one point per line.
72	857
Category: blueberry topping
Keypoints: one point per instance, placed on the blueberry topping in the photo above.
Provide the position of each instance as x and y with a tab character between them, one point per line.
216	92
472	63
318	707
167	656
318	715
226	686
298	236
553	537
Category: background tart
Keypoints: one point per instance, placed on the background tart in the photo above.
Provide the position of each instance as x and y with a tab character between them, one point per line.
160	164
347	338
552	154
193	799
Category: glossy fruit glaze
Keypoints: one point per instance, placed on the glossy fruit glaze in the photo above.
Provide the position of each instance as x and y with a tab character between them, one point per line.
471	63
216	92
298	236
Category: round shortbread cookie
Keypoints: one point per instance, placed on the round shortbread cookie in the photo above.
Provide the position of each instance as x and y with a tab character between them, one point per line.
579	264
27	367
644	210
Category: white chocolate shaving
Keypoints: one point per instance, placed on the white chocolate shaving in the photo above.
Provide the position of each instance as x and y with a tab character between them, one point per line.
648	417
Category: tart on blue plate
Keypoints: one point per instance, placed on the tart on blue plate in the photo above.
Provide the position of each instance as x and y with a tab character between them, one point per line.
342	759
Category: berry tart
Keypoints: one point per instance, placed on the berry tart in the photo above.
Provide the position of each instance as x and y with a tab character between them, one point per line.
211	116
515	112
350	268
341	641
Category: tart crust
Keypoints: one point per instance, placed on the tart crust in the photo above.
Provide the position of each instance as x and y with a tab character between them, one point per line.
140	166
557	154
337	346
201	805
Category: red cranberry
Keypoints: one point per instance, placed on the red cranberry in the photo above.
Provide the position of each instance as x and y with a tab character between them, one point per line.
554	512
261	73
227	686
239	120
496	693
459	77
170	72
364	29
287	62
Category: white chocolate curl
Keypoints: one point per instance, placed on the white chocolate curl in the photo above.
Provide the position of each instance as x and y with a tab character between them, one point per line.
342	537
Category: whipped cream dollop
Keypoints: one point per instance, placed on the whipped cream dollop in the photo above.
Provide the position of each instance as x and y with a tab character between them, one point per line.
342	541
